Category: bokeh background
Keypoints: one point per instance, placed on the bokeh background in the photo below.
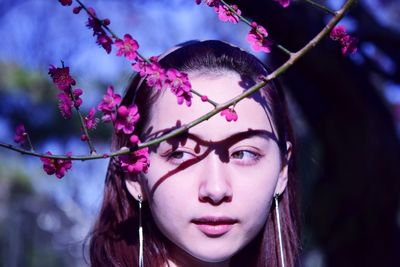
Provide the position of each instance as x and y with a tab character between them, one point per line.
346	112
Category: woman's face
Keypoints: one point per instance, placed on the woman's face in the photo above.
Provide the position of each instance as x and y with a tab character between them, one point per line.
210	191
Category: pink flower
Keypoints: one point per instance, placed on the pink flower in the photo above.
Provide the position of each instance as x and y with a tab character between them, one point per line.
225	14
65	2
77	9
126	119
127	47
155	76
179	84
284	3
90	120
210	3
105	41
108	104
102	38
61	77
204	98
77	99
257	38
349	45
136	162
230	114
20	134
338	33
143	67
65	105
347	42
56	166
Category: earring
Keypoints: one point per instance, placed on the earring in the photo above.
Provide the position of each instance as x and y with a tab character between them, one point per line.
140	233
278	222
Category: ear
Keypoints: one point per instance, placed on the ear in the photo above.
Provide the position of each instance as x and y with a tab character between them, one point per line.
283	174
134	188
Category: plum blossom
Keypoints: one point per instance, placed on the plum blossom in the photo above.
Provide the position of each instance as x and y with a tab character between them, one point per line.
126	119
135	162
155	76
210	3
143	67
102	38
20	134
65	105
226	15
284	3
65	2
127	47
90	121
77	99
230	114
178	83
108	104
61	77
257	38
347	42
56	166
77	9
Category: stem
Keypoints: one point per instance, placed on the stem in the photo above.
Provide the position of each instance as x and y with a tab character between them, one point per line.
322	7
293	59
108	29
29	142
85	130
277	45
215	104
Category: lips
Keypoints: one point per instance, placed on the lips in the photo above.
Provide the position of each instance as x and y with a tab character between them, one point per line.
214	226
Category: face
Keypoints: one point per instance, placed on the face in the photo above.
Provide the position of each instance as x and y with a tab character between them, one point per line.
210	191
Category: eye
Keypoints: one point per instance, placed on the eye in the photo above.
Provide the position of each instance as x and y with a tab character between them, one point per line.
245	157
179	156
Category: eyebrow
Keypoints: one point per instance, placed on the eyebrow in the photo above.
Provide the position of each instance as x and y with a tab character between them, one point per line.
235	137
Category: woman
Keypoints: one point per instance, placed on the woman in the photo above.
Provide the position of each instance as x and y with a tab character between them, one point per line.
209	194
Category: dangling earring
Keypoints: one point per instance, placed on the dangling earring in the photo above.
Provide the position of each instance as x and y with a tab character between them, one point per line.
278	222
140	233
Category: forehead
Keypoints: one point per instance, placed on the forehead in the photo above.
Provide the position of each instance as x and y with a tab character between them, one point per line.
219	87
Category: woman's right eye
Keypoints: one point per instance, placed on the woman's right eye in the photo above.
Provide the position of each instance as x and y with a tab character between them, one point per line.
179	156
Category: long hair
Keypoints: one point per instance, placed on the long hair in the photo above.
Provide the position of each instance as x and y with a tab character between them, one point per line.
114	239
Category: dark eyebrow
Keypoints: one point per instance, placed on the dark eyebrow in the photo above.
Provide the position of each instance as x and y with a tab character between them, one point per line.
234	138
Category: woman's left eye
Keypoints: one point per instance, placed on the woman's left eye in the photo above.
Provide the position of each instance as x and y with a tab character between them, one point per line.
245	157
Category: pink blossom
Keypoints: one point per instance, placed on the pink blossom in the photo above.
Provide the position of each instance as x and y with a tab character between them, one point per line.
143	67
204	98
56	166
230	114
126	119
102	38
77	9
61	77
179	84
65	105
90	120
257	38
347	42
210	3
134	139
127	47
338	33
65	2
226	15
284	3
108	104
77	99
349	45
105	41
155	76
20	134
136	162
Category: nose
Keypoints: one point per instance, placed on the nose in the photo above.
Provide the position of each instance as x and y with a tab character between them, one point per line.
215	185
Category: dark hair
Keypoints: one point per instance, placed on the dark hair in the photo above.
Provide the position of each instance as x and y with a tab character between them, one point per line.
114	240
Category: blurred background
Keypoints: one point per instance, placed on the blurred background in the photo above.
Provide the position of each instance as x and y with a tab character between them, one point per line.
346	112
